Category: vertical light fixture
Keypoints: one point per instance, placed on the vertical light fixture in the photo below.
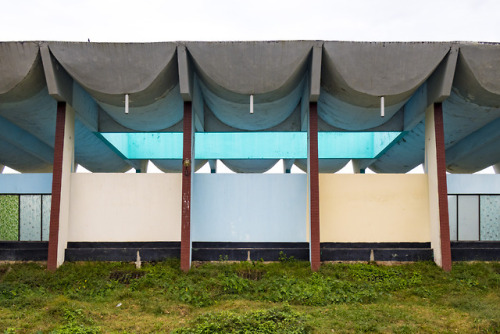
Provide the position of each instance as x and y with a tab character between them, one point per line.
126	103
382	107
251	104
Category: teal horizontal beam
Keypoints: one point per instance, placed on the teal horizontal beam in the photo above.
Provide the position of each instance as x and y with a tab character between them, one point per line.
251	145
353	145
146	145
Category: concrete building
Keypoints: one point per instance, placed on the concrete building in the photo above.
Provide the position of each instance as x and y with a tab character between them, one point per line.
316	104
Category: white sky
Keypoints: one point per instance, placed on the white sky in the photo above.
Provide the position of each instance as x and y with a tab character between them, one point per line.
221	20
224	20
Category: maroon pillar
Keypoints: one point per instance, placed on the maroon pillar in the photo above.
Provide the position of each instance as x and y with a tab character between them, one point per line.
56	187
186	189
314	186
442	188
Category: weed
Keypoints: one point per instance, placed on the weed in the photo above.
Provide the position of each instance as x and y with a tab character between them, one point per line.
77	323
283	258
276	320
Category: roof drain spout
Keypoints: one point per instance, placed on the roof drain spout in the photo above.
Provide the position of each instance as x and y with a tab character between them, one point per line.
126	103
382	107
251	104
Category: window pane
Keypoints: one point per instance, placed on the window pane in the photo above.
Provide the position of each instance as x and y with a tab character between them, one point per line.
452	211
9	217
468	217
46	201
31	217
490	217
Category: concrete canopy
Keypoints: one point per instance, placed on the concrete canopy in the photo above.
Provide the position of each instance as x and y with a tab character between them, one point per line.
349	77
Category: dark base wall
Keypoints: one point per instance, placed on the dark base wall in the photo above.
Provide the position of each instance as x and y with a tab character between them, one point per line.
475	250
242	251
122	251
383	251
255	251
23	250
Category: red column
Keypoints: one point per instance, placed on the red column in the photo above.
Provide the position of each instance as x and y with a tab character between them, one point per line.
56	187
442	188
314	186
186	189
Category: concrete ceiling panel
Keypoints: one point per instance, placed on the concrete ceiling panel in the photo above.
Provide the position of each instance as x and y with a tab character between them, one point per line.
21	71
108	71
15	158
234	70
360	72
478	73
159	115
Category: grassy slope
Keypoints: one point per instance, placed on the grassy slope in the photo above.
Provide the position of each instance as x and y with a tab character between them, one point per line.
223	297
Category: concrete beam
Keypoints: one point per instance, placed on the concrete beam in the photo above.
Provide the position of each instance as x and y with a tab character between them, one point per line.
436	89
440	82
483	142
63	88
25	141
142	165
287	165
497	168
304	108
359	165
198	106
59	82
315	81
213	165
185	73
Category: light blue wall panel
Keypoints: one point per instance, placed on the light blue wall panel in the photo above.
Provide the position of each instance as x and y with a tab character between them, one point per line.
46	202
468	217
490	217
30	217
32	183
473	183
249	208
452	211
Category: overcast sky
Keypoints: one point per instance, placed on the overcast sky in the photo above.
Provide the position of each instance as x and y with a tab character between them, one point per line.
154	20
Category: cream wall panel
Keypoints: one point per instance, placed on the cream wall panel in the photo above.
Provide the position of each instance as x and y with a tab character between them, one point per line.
125	207
374	208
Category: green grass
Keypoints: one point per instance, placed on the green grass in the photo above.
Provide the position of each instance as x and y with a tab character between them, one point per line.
249	297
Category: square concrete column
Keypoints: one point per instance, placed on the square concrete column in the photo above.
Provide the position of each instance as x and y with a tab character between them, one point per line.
435	167
187	171
64	148
313	178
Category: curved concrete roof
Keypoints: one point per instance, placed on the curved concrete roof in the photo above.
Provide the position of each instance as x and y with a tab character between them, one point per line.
346	78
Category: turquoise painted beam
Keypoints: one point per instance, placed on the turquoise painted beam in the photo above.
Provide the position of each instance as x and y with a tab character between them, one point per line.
353	145
251	145
145	145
